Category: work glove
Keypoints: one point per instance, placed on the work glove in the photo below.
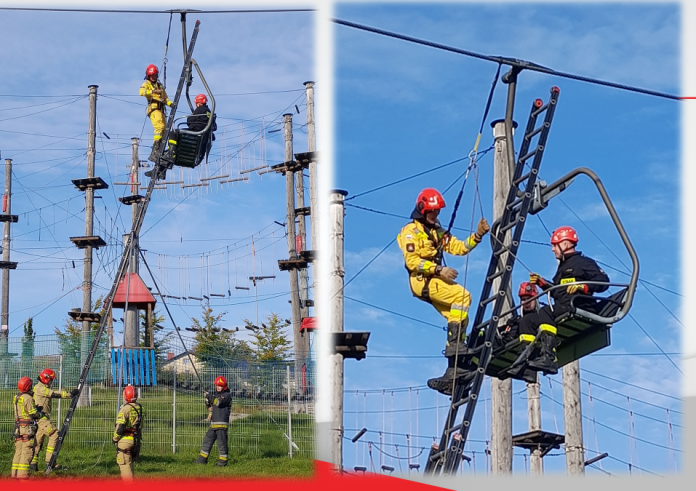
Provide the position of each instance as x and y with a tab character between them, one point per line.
114	441
578	289
536	279
74	392
482	229
447	273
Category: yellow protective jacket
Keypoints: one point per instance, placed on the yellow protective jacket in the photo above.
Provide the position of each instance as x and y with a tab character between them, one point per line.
155	101
26	414
423	251
128	422
43	395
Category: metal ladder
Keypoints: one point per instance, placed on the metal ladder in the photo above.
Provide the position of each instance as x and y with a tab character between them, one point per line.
123	266
446	457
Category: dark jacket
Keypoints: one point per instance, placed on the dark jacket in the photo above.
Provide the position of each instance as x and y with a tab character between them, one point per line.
221	403
199	118
575	268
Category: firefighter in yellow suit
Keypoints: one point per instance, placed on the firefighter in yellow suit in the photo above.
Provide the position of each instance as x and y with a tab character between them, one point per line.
42	398
26	415
157	98
127	433
423	241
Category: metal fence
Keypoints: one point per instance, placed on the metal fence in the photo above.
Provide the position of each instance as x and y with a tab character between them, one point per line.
272	408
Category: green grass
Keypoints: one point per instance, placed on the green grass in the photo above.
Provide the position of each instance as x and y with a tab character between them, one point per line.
257	446
101	463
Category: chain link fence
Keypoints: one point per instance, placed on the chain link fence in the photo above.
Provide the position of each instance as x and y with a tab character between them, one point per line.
272	405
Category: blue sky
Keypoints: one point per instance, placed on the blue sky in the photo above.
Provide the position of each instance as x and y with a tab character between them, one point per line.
255	65
402	108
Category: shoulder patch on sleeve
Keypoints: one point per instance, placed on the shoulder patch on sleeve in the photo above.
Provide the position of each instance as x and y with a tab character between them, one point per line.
410	247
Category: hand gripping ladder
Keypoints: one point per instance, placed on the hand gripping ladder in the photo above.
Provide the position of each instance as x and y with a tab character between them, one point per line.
123	266
446	457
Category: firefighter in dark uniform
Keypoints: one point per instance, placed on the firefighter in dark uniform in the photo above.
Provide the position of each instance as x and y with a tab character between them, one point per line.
530	306
195	122
199	120
573	269
127	435
219	405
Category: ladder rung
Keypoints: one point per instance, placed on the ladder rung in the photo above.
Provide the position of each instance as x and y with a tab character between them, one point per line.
531	135
512	224
519	200
438	455
530	154
517	181
495	275
488	300
481	326
461	402
451	430
499	252
540	110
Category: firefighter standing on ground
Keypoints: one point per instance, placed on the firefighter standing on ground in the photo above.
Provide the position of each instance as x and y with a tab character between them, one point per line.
422	242
42	399
26	415
157	98
127	436
573	268
219	405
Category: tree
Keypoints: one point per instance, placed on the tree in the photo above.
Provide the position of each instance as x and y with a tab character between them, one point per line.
28	341
271	340
156	321
217	347
70	340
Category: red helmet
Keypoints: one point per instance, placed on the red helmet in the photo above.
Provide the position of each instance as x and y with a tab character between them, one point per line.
429	199
527	290
221	382
564	233
129	394
151	70
24	384
47	376
201	99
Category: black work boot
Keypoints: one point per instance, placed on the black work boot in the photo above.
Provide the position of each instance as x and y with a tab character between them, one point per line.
158	171
445	383
221	463
155	149
34	467
456	336
201	460
546	361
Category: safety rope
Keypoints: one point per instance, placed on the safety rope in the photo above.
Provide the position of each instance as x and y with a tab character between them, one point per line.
474	152
166	48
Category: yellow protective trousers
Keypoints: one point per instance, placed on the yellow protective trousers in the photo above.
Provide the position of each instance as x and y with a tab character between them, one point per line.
45	430
124	459
450	299
24	451
158	123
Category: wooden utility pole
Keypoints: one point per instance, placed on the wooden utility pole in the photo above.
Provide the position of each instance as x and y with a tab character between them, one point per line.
131	327
313	193
572	414
299	340
301	244
501	390
7	218
89	232
336	278
536	462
